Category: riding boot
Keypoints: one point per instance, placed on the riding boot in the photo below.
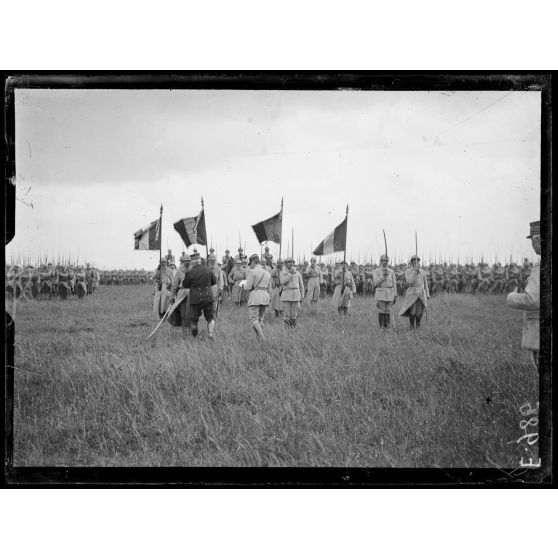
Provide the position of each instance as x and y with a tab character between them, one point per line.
412	320
293	323
418	318
386	321
381	320
195	330
345	310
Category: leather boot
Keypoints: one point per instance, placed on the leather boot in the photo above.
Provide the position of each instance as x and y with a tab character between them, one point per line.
194	331
418	319
412	321
293	322
381	320
386	320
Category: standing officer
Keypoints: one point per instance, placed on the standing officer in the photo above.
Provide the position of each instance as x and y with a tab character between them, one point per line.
267	258
293	292
529	301
180	315
258	283
276	288
315	279
385	293
199	279
417	293
345	288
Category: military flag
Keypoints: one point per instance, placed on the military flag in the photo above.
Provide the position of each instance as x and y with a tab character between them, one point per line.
148	238
335	241
192	229
270	229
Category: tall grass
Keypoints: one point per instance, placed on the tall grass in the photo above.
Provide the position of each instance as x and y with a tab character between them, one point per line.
90	391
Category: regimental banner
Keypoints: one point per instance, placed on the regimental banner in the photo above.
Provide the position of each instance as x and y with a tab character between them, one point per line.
148	238
335	241
192	229
270	229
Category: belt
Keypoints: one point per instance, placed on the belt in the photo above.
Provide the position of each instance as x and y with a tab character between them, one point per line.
291	289
260	289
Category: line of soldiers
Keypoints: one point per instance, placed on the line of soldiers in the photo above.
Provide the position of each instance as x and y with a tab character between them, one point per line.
49	280
124	277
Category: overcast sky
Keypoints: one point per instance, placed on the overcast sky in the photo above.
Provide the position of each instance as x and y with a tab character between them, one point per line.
461	168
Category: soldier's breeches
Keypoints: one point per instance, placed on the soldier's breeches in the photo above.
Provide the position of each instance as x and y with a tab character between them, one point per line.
290	310
256	314
384	306
416	309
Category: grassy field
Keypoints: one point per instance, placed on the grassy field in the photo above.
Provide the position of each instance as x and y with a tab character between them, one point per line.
90	391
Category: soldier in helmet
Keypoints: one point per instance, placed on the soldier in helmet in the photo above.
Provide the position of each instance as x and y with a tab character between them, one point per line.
529	301
293	292
417	293
385	293
314	275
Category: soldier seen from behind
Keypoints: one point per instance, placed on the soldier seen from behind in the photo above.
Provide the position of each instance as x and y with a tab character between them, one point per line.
258	284
199	279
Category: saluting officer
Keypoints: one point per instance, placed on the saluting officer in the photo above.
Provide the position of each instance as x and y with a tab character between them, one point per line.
293	292
385	293
417	293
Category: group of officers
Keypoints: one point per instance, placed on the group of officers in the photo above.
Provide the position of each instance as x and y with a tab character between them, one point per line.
197	287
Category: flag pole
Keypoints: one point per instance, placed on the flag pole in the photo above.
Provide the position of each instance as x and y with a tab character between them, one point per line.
292	243
345	251
160	237
281	237
206	252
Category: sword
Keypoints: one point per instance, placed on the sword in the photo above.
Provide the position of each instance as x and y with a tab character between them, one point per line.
170	310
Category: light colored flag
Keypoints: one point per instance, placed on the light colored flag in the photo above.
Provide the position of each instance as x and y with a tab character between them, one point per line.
148	238
335	241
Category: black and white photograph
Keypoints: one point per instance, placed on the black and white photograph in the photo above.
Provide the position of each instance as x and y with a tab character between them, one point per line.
280	272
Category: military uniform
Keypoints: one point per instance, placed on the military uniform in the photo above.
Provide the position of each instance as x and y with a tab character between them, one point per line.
529	302
416	295
385	293
180	316
163	285
343	291
237	275
292	294
199	280
276	288
314	274
258	284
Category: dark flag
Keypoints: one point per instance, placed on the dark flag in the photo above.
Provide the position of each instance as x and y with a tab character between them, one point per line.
335	241
148	238
192	229
270	229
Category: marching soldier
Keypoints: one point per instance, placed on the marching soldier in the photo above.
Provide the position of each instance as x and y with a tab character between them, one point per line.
293	292
345	288
180	316
385	293
417	293
315	279
199	279
257	284
529	301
